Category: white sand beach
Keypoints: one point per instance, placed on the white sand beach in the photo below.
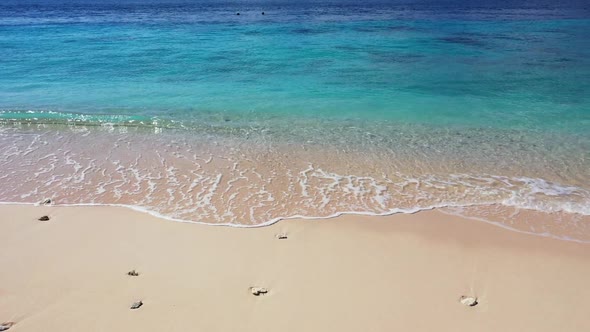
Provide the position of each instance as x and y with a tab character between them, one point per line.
351	273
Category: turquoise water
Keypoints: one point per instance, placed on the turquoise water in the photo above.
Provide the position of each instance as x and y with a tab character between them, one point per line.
190	111
525	68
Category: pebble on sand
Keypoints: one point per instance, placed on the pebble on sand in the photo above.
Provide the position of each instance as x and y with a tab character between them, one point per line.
6	325
470	301
44	218
46	201
136	305
133	273
282	236
257	291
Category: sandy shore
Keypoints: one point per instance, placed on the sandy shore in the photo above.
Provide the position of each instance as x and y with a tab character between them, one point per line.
352	273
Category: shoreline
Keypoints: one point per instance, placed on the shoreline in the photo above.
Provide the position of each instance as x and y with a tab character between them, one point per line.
254	183
379	273
438	209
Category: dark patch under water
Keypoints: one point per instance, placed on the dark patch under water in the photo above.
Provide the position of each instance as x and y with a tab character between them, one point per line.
463	40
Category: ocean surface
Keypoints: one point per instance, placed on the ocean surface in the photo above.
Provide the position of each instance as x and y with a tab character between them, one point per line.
187	110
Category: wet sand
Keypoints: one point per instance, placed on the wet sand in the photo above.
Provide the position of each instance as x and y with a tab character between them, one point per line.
238	181
350	273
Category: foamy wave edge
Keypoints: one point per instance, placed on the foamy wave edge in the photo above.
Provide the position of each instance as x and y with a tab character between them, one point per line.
335	215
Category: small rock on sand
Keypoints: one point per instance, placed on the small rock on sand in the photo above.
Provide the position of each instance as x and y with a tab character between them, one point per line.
6	325
282	236
133	273
257	291
136	305
46	201
44	218
470	301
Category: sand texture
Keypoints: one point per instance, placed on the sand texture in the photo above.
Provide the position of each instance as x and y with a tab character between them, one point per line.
351	273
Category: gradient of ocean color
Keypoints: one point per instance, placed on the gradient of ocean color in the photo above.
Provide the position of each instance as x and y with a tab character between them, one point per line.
522	68
499	90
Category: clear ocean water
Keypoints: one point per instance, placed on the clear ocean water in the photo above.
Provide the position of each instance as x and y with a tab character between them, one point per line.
492	89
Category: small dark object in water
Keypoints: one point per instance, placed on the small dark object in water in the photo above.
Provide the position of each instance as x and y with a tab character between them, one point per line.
44	218
46	201
133	273
237	13
136	305
6	325
262	13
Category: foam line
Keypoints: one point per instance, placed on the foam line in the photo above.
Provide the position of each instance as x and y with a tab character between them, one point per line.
335	215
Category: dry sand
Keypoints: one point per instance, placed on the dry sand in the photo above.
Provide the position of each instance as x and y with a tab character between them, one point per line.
352	273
